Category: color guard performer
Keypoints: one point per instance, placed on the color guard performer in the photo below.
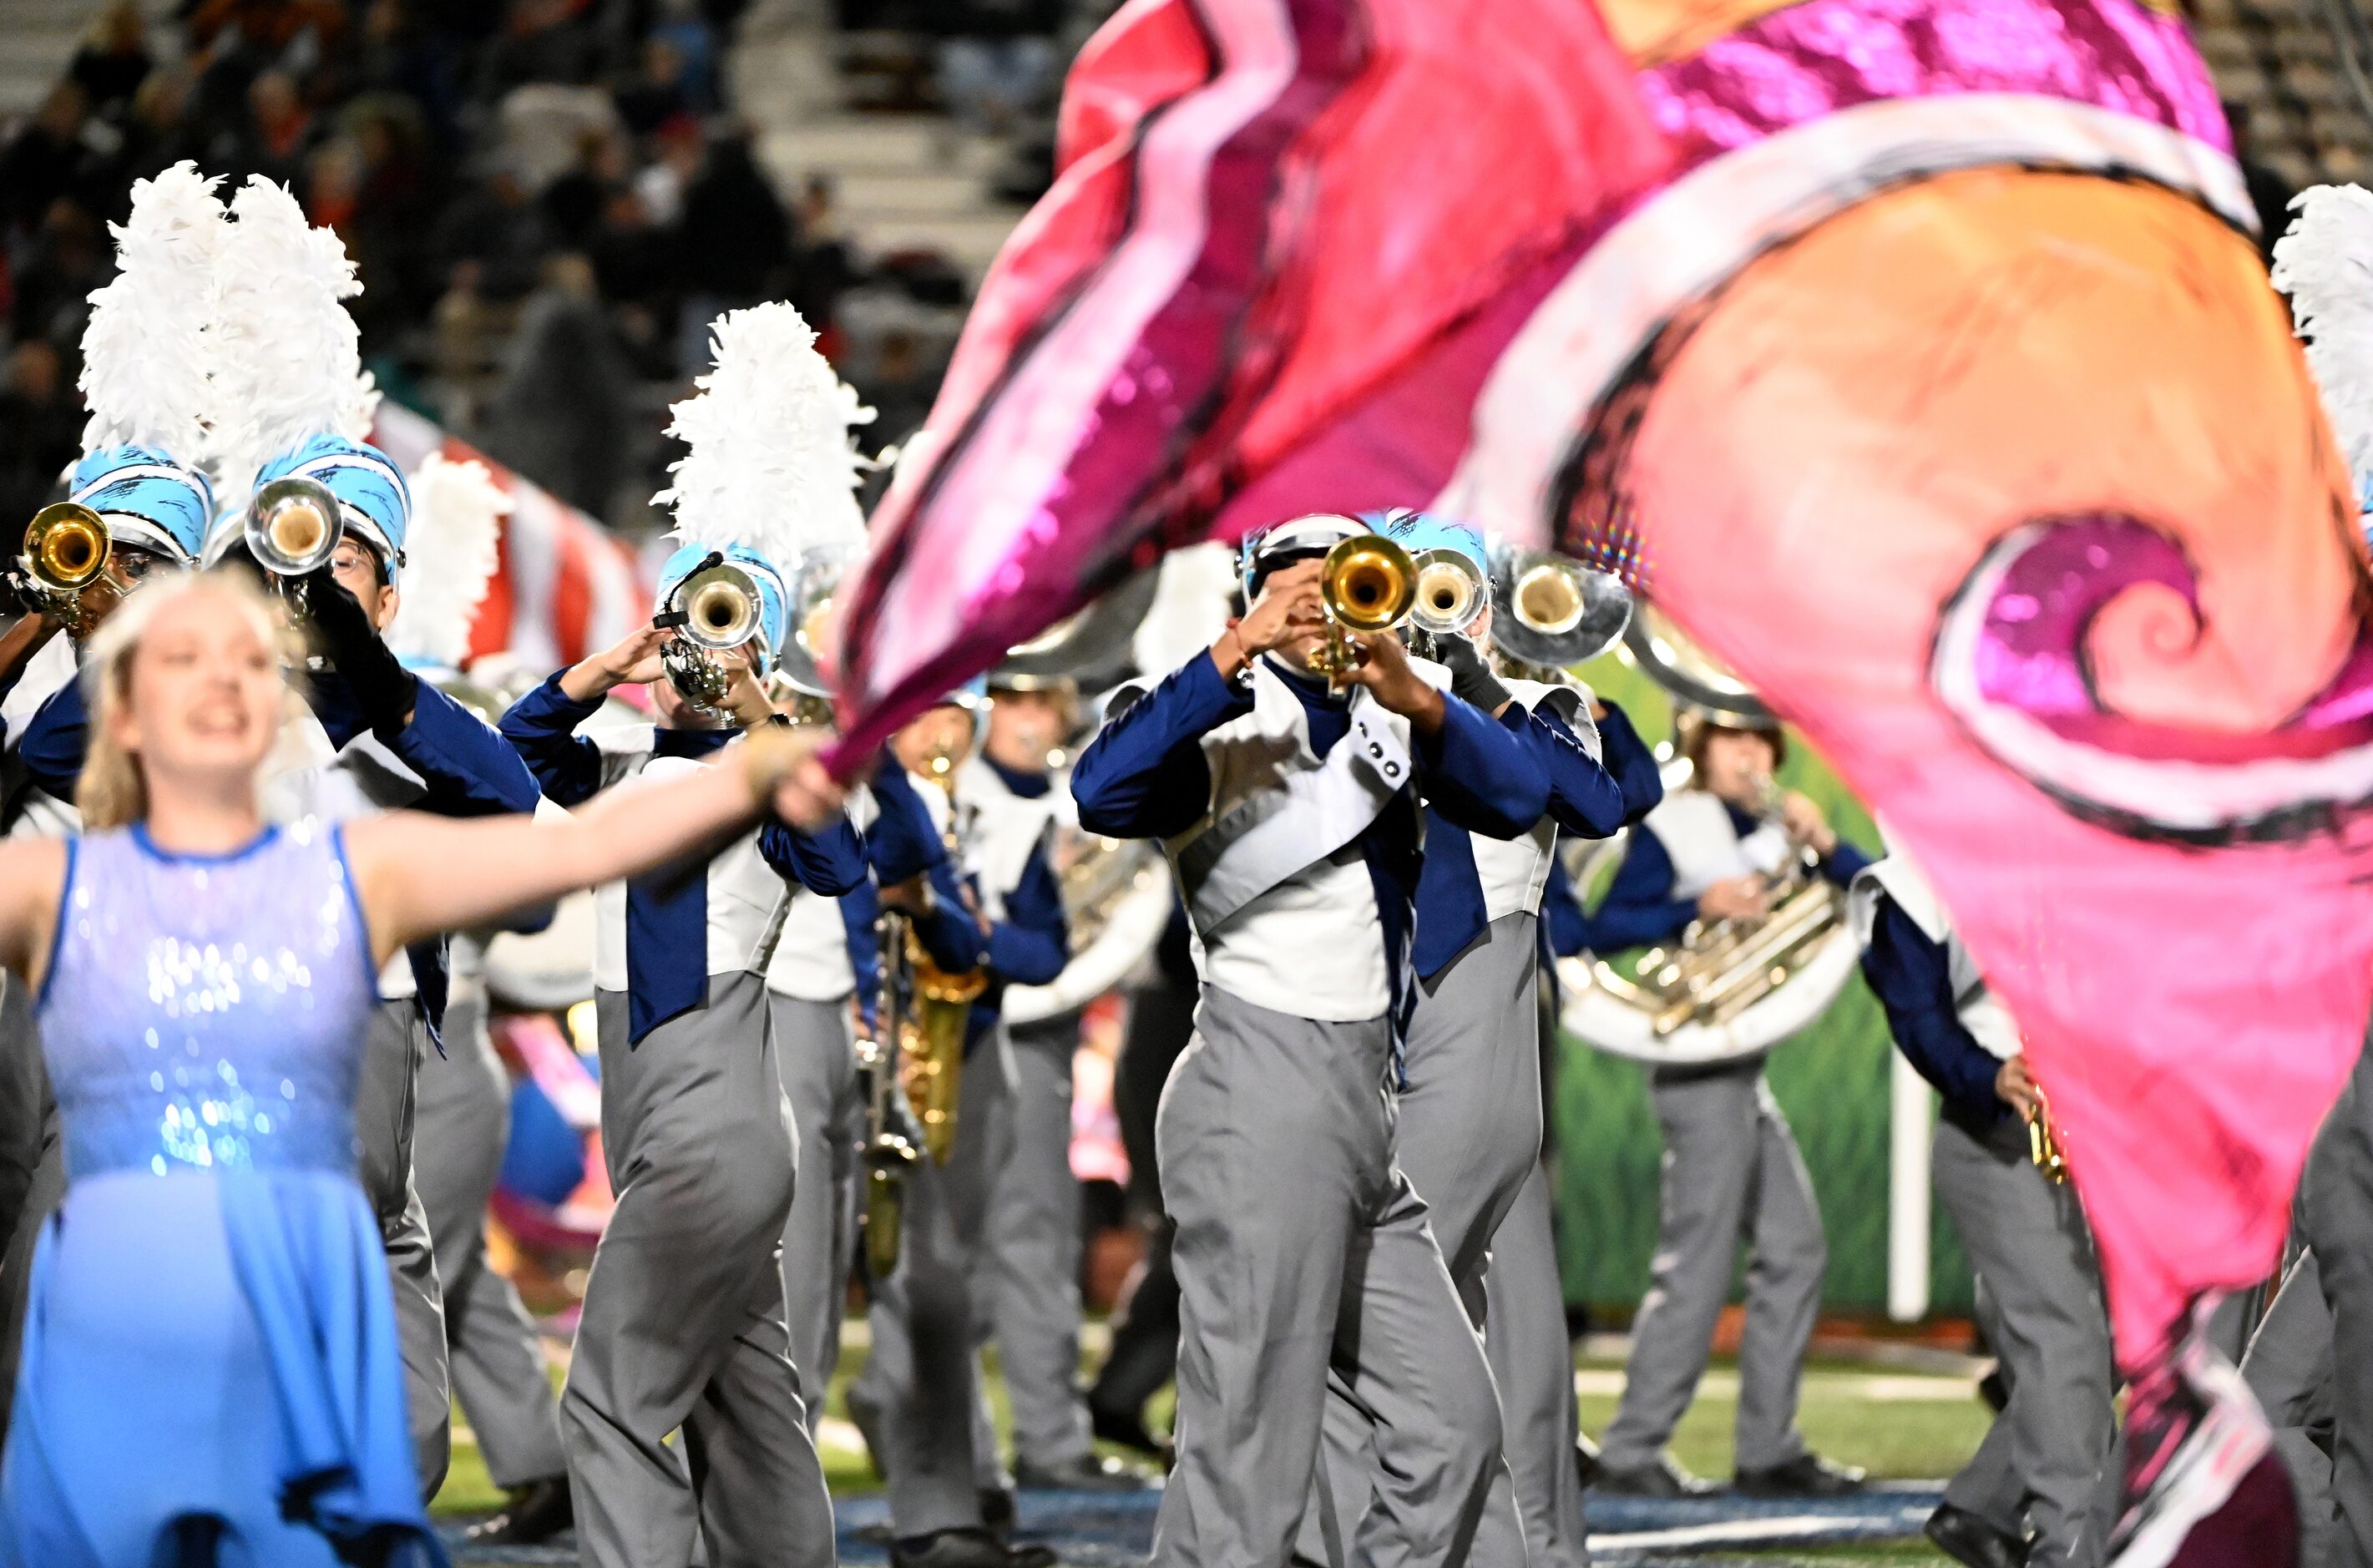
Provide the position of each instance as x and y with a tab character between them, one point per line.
1293	814
1730	1169
2028	1495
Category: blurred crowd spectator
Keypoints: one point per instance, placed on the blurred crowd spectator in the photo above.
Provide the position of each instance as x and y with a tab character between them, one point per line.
547	202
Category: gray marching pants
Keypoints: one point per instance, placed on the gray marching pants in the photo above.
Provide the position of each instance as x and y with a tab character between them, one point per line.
1467	1134
1302	1252
385	1107
922	1375
1532	1362
2289	1368
1027	1290
817	1048
2040	1301
683	1323
2336	1216
1731	1172
500	1375
32	1170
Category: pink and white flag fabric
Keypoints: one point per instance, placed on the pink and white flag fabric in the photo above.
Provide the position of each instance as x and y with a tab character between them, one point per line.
1911	354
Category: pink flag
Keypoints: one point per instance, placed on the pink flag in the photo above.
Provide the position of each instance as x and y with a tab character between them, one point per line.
1908	352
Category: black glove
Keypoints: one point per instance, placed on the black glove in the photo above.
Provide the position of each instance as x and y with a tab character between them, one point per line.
383	689
1471	680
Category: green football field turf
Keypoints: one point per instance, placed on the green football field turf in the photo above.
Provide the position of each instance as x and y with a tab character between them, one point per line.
1897	1426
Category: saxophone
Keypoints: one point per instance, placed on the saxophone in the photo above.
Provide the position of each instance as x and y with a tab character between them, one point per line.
931	1042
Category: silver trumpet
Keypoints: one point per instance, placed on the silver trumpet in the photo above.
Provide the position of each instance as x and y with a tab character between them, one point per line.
1549	612
713	610
1451	597
292	529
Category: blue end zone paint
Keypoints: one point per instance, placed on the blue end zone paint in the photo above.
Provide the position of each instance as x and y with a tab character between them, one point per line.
1092	1530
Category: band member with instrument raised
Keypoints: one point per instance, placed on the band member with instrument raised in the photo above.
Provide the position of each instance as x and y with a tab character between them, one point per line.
1470	1108
2027	1496
1288	768
1712	853
683	1326
920	1392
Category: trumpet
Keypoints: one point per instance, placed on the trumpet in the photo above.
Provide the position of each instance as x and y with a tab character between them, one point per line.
1551	612
716	608
65	551
1451	597
1367	584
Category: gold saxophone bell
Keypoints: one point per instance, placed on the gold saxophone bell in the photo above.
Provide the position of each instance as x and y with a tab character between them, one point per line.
293	527
1367	584
65	548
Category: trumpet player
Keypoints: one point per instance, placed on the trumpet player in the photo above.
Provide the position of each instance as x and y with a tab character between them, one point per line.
1469	1106
682	1325
1293	811
2026	1497
1731	1167
919	1396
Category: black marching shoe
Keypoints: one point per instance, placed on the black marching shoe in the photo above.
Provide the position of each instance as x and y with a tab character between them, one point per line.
1127	1430
1586	1463
1660	1476
1089	1472
1963	1537
966	1547
533	1515
997	1510
1807	1475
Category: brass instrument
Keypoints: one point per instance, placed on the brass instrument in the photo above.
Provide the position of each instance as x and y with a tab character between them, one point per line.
67	552
715	608
2043	1143
932	1048
1451	597
1368	584
892	1147
1550	612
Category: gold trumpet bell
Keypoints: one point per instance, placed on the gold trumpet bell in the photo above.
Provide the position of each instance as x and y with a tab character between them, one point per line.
1367	584
66	548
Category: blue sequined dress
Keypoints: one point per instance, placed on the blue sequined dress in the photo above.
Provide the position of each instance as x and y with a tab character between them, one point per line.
210	1367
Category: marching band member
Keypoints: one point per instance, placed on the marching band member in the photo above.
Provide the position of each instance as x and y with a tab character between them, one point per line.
920	1390
500	1375
1469	1130
682	1320
1027	1294
1293	814
1550	1461
1731	1165
682	1325
2040	1288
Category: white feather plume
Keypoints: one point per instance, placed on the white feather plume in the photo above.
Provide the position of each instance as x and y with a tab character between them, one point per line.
2325	264
146	352
289	365
773	463
456	512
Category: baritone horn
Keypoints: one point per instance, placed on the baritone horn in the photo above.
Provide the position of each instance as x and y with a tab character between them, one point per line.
715	608
1367	584
65	551
811	645
1549	612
